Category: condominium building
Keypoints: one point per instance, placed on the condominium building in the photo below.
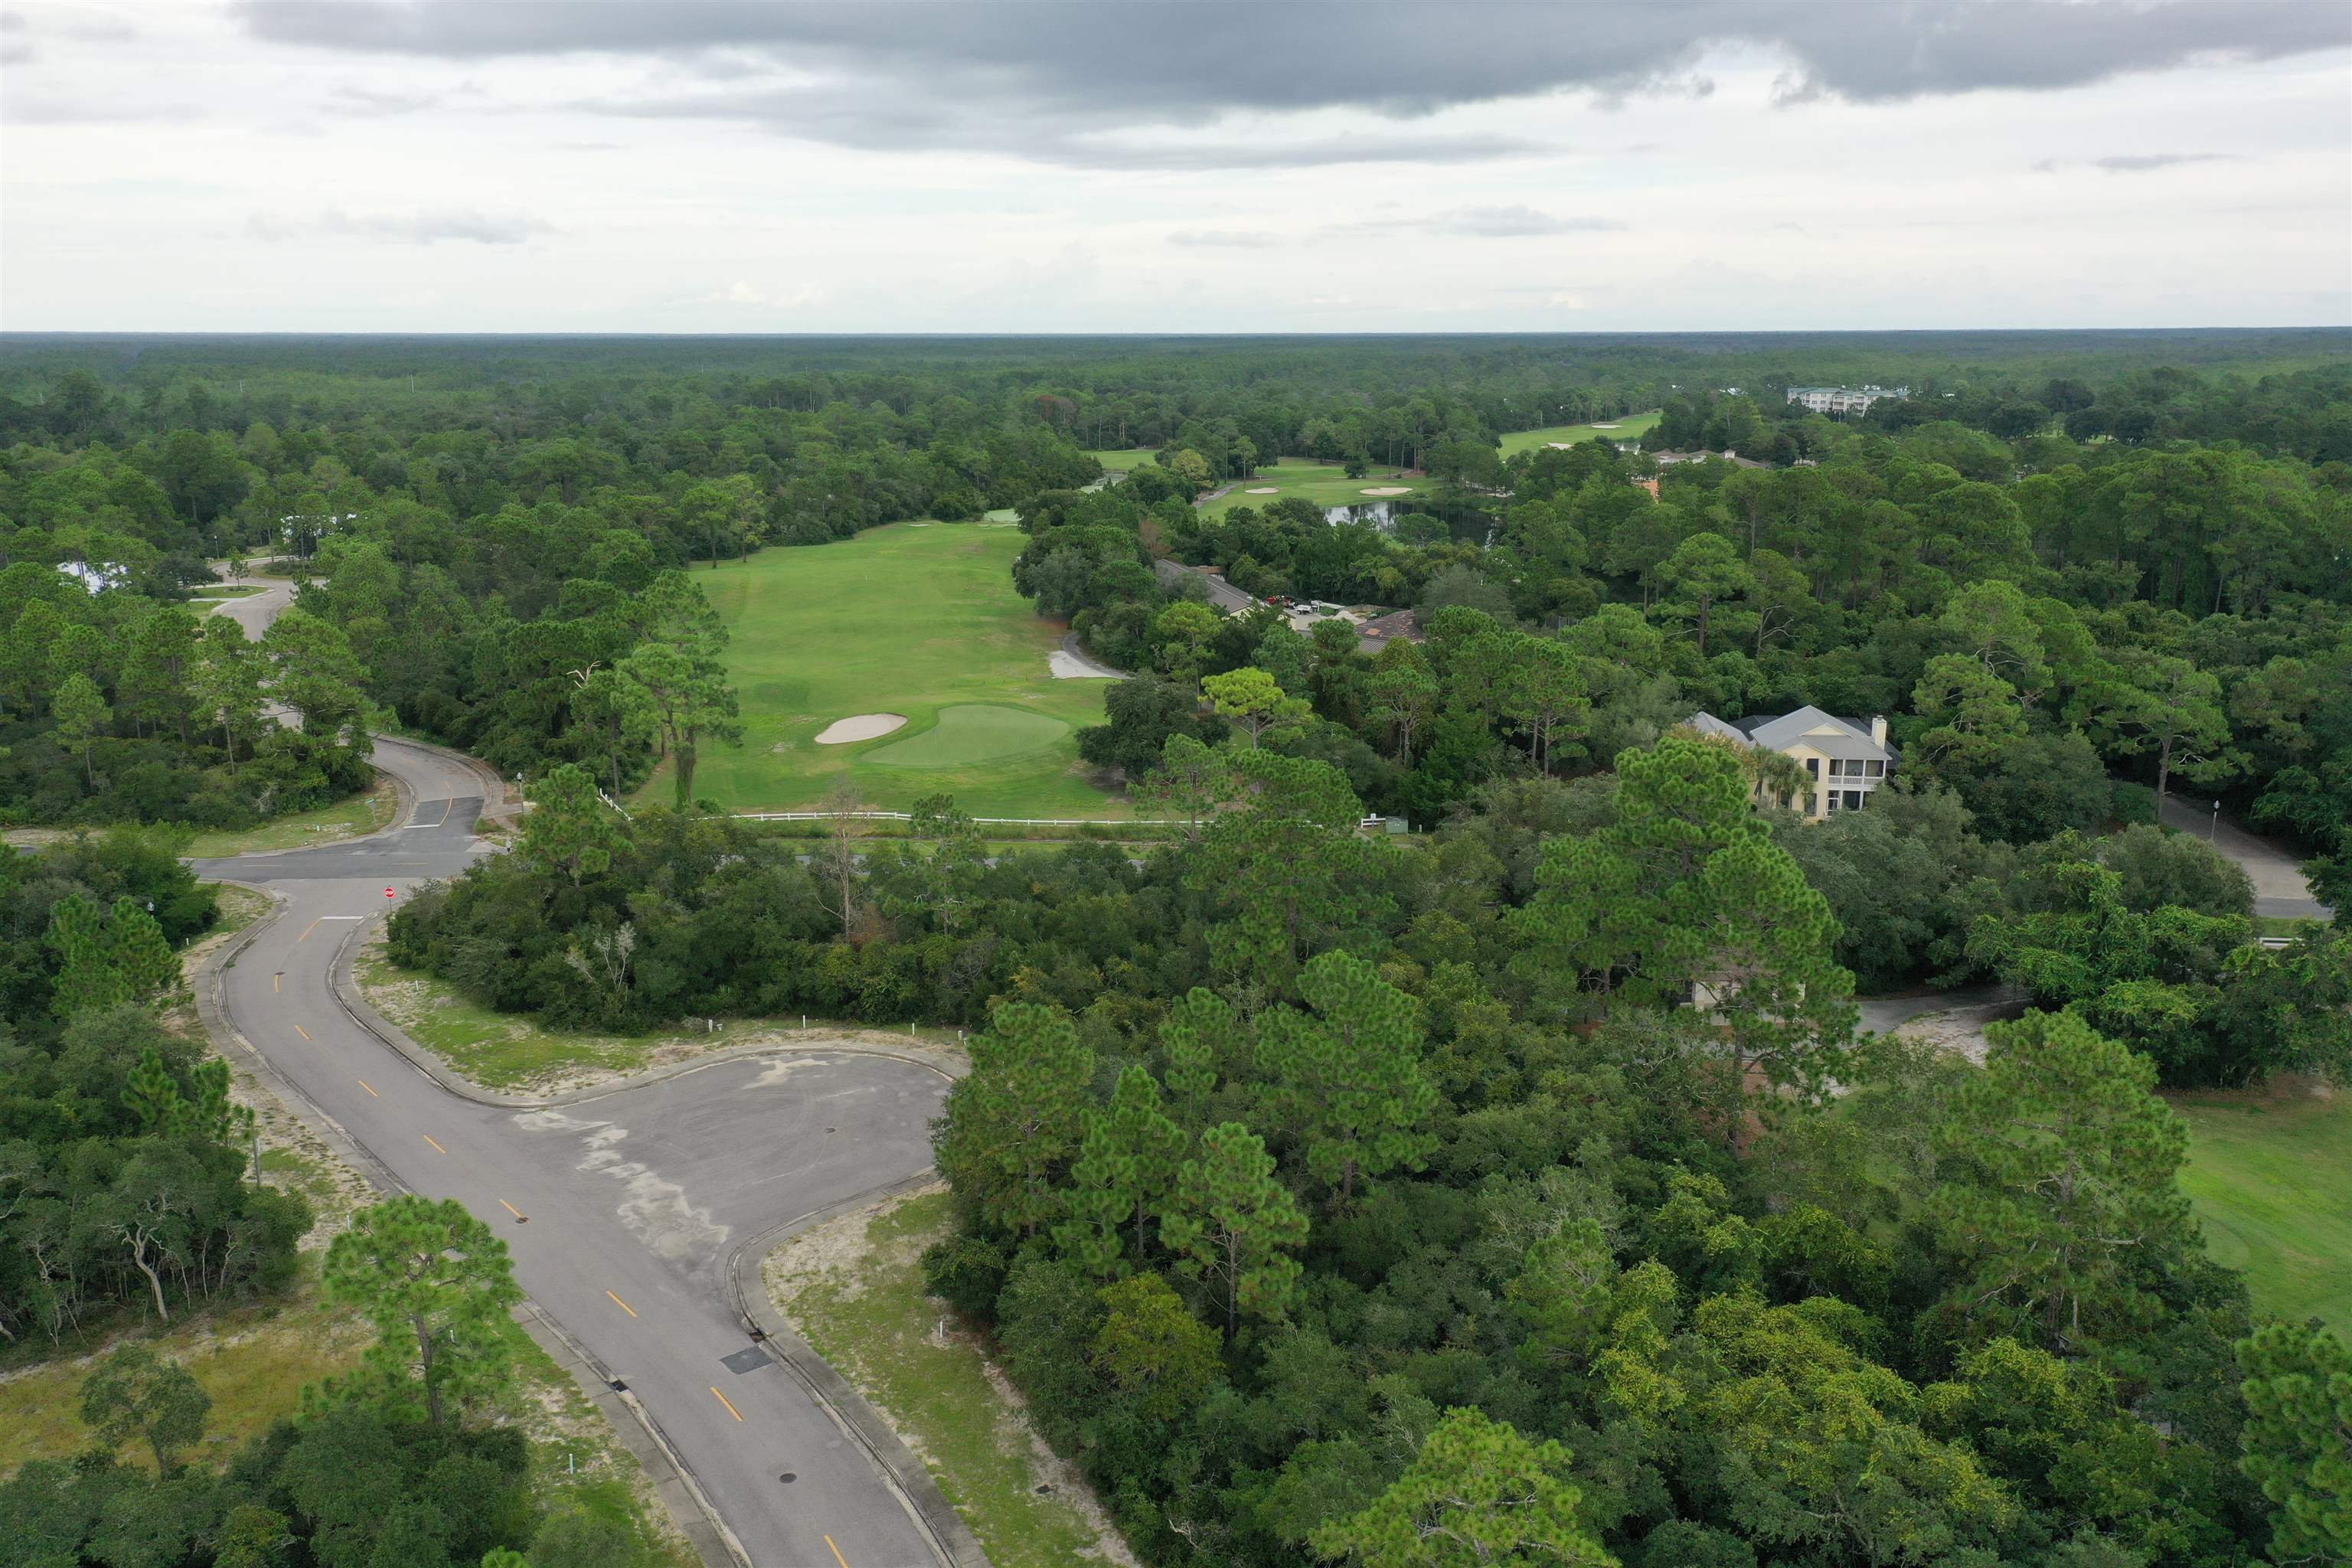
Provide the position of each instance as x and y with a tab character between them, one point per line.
1844	399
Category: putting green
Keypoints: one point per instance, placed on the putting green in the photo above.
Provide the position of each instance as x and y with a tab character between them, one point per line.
905	620
973	732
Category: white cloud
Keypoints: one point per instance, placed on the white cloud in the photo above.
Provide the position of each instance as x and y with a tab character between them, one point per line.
341	171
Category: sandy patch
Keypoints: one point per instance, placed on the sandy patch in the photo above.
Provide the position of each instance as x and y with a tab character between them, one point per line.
1067	666
1265	490
1601	426
860	727
1388	491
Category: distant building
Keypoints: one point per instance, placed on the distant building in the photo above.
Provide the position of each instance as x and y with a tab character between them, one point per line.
1844	399
1668	459
1845	758
95	579
1402	626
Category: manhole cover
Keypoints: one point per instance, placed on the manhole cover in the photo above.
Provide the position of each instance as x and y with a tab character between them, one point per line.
751	1358
788	1478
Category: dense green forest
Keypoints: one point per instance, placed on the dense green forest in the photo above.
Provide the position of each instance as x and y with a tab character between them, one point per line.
1329	1196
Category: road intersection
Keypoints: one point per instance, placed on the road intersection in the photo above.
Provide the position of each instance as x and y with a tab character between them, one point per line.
623	1207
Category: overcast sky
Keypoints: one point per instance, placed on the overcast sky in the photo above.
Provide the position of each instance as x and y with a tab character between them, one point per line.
1110	166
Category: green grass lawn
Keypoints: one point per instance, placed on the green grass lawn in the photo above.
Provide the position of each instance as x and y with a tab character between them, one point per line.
915	619
1119	459
510	1051
1304	478
2271	1178
1632	427
868	1315
301	829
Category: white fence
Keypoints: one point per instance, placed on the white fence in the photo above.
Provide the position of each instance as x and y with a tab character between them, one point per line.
908	816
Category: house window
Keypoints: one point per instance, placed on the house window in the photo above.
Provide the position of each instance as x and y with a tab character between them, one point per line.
1853	800
1834	800
1813	766
1878	770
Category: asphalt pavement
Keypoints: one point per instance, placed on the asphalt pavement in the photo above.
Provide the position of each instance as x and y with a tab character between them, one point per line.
619	1207
2277	875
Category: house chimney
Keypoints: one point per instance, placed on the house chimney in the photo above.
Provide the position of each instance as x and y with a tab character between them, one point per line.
1878	730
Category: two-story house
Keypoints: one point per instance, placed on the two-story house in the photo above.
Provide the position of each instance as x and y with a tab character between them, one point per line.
1844	759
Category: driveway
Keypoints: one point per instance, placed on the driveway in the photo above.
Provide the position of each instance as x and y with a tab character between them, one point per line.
2277	875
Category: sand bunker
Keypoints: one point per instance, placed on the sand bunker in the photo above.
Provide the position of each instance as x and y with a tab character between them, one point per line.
860	727
1601	426
1264	489
1388	491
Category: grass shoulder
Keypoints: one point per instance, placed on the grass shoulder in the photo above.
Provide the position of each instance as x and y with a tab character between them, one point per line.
2270	1175
853	1289
254	1358
362	813
514	1053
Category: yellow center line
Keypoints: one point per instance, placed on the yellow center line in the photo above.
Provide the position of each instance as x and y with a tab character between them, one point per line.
428	1138
369	1087
511	1208
727	1402
302	1031
632	1312
273	983
837	1557
309	929
447	807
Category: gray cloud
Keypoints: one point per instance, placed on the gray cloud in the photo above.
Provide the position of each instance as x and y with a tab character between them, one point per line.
1515	223
2136	162
1225	238
402	228
2140	162
1049	79
369	103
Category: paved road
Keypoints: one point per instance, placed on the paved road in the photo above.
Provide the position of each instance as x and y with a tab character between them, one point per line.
254	612
633	1198
2279	885
1222	594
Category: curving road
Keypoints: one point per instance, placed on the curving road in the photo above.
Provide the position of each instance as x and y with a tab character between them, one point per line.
623	1208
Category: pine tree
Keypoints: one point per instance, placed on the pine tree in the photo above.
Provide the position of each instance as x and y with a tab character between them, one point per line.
87	978
138	951
151	1096
1348	1077
2056	1183
1197	1036
1126	1168
2298	1438
568	828
1477	1494
1017	1116
1233	1223
437	1287
1291	867
80	711
1687	889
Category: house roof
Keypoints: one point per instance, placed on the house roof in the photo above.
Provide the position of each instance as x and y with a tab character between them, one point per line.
1809	726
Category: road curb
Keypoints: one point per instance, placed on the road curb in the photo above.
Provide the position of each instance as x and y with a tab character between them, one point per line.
344	982
909	1478
671	1479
